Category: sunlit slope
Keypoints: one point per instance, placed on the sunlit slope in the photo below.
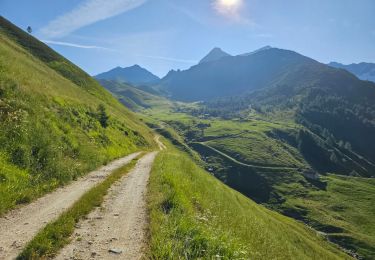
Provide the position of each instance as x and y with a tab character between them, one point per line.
193	216
56	121
138	98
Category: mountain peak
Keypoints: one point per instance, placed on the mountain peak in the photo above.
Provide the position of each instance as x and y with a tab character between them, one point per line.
135	75
215	54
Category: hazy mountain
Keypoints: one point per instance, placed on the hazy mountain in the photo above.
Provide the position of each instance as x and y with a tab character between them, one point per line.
363	70
214	55
135	75
236	75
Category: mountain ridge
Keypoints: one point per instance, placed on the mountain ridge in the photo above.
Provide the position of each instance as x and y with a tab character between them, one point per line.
363	70
135	75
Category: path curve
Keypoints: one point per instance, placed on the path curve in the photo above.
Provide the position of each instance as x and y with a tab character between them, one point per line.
245	164
160	143
19	226
116	230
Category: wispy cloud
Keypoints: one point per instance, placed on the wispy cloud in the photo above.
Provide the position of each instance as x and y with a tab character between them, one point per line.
168	59
89	12
75	45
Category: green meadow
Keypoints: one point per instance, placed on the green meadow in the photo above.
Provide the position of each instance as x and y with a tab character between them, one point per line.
195	216
281	185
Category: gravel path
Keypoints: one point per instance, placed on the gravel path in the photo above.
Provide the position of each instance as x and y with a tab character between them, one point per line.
20	225
116	230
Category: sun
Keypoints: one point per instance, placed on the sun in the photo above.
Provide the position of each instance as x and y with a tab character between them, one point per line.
230	9
229	3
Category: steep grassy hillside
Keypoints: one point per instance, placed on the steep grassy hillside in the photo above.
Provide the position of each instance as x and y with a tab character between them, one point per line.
261	158
135	98
194	216
57	123
342	209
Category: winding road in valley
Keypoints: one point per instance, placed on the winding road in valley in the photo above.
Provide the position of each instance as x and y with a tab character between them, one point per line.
19	226
245	164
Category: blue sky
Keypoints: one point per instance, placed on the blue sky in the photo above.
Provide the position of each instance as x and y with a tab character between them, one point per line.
161	35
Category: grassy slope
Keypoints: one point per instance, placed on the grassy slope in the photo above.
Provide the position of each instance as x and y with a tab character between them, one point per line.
339	206
253	145
344	210
289	191
193	215
134	98
50	130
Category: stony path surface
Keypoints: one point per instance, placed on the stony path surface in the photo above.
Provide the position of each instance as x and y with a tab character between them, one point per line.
20	225
117	230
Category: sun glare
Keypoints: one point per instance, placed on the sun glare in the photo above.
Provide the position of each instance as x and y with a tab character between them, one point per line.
228	8
229	3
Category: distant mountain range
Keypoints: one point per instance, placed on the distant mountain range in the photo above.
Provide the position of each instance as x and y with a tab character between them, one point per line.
363	70
263	69
134	75
331	102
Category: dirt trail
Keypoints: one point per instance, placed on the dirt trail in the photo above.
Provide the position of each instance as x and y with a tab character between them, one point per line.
20	225
160	144
117	230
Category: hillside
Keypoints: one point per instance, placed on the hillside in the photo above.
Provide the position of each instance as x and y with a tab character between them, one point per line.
258	157
134	75
363	70
134	98
194	216
57	122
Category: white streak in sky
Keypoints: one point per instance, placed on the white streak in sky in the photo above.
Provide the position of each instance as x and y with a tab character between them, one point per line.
89	12
69	44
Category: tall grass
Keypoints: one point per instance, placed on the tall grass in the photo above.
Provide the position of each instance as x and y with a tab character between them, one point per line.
194	216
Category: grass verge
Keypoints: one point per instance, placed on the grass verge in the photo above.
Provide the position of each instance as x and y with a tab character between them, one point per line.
56	234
